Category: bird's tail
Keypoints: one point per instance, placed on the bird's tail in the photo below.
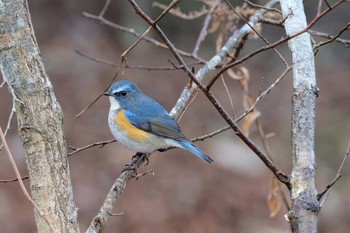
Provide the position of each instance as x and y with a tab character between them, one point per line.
193	149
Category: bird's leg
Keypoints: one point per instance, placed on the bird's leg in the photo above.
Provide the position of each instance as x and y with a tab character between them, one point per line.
137	160
136	156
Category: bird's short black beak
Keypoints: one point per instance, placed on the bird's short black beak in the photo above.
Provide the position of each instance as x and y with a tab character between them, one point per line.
107	94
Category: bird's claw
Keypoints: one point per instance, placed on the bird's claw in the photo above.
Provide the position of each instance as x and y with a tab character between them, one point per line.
130	167
137	159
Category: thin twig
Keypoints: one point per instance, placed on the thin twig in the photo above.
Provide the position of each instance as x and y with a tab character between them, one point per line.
263	7
204	30
2	84
319	7
100	144
327	190
212	134
13	110
177	12
331	38
14	180
149	172
19	178
229	96
337	177
135	67
105	8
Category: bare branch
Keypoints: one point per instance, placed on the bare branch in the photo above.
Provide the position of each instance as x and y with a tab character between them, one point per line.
204	30
105	8
319	7
263	7
228	95
100	144
337	177
14	180
13	110
331	38
134	67
177	12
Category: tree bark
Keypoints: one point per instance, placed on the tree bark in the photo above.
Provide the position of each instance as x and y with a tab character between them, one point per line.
39	119
305	207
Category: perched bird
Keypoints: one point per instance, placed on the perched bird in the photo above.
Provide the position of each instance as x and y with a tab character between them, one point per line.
143	125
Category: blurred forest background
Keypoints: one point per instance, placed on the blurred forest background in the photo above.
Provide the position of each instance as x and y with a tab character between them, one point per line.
184	195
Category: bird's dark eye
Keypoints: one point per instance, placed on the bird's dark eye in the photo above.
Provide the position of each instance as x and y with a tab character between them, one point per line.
121	93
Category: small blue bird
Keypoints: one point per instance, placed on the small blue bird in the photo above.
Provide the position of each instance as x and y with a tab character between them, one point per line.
142	124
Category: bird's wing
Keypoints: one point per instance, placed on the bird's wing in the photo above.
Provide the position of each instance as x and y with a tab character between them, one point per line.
161	125
166	127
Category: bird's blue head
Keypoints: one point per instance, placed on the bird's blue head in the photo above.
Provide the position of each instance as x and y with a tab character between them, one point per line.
123	94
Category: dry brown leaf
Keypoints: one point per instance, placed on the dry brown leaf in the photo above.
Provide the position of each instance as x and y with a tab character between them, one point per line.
273	197
219	41
239	73
277	16
249	120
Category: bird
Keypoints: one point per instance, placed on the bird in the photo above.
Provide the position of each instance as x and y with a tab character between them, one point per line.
142	125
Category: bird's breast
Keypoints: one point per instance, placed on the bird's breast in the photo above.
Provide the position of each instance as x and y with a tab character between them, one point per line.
125	126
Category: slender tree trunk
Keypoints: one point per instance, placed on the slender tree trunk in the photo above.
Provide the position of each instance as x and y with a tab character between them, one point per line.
39	119
305	207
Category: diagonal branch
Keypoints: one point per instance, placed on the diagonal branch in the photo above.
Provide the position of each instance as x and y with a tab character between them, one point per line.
331	38
326	191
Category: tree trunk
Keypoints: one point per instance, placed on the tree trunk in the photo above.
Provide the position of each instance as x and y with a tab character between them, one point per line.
305	207
39	119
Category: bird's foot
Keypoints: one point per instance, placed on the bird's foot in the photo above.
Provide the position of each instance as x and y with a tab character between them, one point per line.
136	157
137	160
